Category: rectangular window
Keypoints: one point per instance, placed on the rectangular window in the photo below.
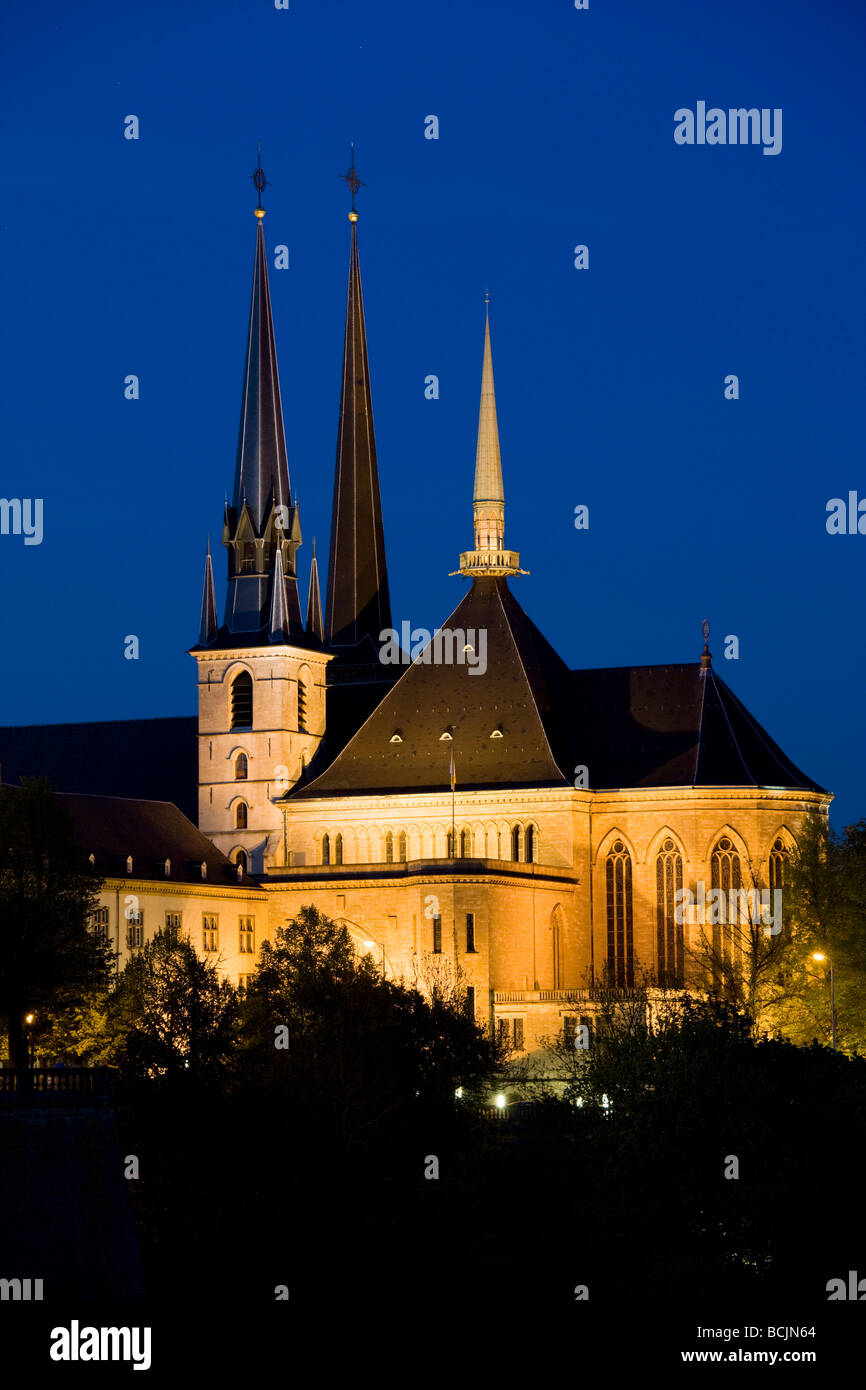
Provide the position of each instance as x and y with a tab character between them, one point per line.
210	931
172	925
470	931
244	982
437	933
470	1001
134	928
504	1030
569	1029
100	923
518	1034
247	935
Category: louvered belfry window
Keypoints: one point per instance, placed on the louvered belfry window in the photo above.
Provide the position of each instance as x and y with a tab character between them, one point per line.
242	701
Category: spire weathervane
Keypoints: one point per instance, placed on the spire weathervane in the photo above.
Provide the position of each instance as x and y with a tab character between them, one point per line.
260	183
353	182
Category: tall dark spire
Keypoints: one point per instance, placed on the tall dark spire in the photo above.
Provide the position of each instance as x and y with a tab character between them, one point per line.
261	516
209	625
358	603
315	626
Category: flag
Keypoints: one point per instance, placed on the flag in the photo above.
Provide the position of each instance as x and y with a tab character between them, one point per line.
453	778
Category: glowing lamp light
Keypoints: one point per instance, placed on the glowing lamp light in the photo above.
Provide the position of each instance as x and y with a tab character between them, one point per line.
29	1018
459	1093
499	1101
818	955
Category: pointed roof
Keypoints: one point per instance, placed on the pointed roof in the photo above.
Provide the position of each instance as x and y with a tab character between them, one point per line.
208	627
488	461
358	602
261	470
314	602
278	627
504	718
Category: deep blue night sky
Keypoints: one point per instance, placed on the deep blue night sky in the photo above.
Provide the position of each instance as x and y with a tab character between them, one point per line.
556	128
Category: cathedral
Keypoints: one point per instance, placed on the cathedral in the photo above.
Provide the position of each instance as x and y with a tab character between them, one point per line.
478	815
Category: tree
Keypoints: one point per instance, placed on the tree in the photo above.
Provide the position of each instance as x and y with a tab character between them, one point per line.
50	958
171	1016
351	1049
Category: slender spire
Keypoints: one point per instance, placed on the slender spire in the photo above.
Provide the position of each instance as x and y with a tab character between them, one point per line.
488	496
208	626
315	626
706	654
262	516
278	629
358	603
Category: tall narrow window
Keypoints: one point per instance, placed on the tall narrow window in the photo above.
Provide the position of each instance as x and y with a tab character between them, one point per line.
241	860
556	944
470	931
389	848
247	934
669	932
172	925
726	875
515	843
530	844
248	558
242	701
620	924
326	849
302	707
465	844
778	863
437	934
241	767
470	1000
241	816
401	847
518	1035
449	845
210	931
338	850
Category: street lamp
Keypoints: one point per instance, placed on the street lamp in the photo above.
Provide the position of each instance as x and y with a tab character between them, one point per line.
820	956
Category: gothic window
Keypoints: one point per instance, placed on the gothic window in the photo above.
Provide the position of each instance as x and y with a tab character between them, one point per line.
669	933
241	860
620	923
338	850
326	849
241	816
302	707
556	944
248	558
465	844
401	847
530	844
726	875
242	701
241	767
389	848
778	861
449	845
515	843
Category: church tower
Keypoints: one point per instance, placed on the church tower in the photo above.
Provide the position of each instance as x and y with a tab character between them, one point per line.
261	675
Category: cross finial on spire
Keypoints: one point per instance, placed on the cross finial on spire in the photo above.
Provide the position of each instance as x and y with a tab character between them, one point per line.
260	183
706	656
354	183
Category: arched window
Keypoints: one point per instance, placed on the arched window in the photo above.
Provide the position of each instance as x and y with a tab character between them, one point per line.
401	847
326	849
242	701
669	932
778	862
241	860
725	875
556	943
515	843
241	815
389	848
530	844
338	850
465	843
620	921
302	707
241	767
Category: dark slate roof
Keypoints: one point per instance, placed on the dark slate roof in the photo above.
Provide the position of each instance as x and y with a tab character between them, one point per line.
111	828
259	637
154	758
520	691
631	726
671	726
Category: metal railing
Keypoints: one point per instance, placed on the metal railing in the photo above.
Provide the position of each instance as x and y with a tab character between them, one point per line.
55	1085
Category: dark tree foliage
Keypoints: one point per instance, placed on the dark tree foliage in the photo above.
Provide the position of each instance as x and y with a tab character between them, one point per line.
171	1016
50	959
